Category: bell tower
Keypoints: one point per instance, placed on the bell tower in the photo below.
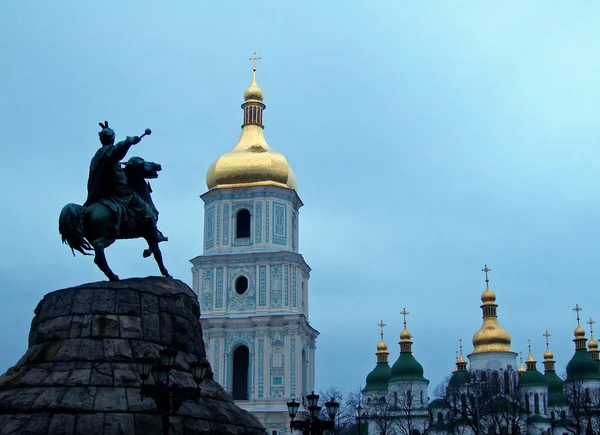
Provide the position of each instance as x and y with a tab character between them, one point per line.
251	280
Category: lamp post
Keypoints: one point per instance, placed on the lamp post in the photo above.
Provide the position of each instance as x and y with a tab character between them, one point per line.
358	415
168	398
313	425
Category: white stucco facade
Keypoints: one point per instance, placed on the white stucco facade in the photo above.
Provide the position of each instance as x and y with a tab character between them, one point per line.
268	312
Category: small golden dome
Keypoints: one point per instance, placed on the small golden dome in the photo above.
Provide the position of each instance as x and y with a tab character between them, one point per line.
522	368
405	335
488	296
254	93
579	332
530	357
382	347
548	355
252	162
592	344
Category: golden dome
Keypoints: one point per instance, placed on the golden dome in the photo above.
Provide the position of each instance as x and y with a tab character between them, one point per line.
491	337
251	162
592	344
488	296
579	332
548	355
522	368
405	335
382	347
254	93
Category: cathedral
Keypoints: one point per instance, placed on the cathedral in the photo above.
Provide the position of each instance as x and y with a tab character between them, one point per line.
251	280
490	394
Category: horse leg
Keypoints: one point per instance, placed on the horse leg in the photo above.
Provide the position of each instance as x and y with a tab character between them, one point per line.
153	245
100	260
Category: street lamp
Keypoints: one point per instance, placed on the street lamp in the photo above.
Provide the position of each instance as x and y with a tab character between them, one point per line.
313	425
358	415
168	398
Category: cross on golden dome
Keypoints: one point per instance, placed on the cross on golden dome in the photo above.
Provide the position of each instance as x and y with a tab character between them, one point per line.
254	59
381	325
404	314
591	323
547	334
577	309
486	269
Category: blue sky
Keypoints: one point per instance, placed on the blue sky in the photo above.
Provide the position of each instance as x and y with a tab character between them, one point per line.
428	139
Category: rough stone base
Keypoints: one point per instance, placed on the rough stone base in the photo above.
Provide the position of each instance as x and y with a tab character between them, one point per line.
79	374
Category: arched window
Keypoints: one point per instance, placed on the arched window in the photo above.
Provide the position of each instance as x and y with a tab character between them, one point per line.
536	403
241	364
421	396
587	394
527	406
483	377
491	429
408	397
395	398
440	418
495	382
552	415
544	401
242	224
506	382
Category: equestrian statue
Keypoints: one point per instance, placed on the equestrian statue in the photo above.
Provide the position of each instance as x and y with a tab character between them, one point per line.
118	205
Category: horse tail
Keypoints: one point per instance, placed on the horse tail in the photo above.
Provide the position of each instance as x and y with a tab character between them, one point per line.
70	227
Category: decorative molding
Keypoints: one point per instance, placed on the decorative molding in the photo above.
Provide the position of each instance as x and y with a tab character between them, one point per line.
276	284
246	301
226	220
207	289
251	195
268	230
262	286
279	223
261	367
217	358
293	367
219	291
218	225
294	289
258	221
209	239
286	285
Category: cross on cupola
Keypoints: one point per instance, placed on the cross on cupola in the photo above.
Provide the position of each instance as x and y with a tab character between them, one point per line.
591	323
577	310
254	59
547	335
381	325
487	270
404	313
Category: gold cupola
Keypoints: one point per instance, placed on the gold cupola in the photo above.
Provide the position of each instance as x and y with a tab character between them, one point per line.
592	342
521	366
491	337
251	162
461	363
548	355
382	349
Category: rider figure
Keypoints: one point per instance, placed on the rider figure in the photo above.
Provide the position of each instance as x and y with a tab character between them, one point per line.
107	183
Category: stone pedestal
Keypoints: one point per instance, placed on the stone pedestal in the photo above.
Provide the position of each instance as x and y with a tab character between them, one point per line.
79	375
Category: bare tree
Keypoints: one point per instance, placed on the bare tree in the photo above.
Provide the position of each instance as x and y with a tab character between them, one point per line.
583	417
492	404
405	405
383	416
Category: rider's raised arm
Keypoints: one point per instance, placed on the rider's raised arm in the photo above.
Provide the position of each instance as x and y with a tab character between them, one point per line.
119	150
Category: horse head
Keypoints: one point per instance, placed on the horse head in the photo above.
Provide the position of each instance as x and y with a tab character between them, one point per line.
138	168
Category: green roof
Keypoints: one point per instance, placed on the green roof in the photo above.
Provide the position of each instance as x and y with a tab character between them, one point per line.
582	366
407	367
459	377
532	378
556	396
378	378
438	404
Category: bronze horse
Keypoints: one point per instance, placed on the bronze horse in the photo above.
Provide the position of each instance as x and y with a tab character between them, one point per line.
94	228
